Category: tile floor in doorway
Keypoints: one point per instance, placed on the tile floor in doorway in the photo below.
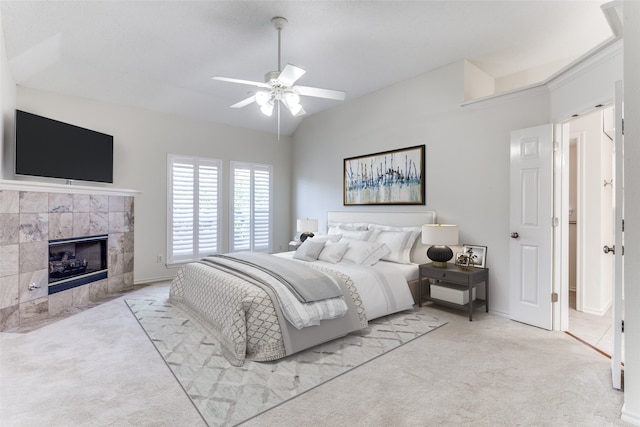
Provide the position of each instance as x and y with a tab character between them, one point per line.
595	330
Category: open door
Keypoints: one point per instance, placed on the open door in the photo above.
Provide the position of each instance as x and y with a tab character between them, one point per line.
618	231
531	226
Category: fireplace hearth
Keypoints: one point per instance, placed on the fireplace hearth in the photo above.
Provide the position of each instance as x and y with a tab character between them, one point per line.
76	262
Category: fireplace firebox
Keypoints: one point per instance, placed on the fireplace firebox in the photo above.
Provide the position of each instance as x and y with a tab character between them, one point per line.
77	261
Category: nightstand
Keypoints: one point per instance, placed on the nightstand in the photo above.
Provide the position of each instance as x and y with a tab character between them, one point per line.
455	281
294	245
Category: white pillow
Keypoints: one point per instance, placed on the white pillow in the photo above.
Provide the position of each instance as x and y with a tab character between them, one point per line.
394	228
327	237
333	252
349	225
309	250
399	243
352	234
339	228
364	253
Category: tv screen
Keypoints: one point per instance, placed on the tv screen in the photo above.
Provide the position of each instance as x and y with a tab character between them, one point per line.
49	148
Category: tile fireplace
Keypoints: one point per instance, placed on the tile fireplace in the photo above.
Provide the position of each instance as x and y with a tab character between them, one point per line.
62	246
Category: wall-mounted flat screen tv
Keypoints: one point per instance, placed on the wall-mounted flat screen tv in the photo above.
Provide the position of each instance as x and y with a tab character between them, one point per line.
49	148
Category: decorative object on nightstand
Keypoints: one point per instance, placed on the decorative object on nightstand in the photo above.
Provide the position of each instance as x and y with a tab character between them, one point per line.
307	227
440	236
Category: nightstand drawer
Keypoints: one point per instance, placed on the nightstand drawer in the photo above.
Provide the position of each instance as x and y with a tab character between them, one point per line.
449	275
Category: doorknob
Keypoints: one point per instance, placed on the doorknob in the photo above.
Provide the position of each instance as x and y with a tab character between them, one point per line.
608	249
514	235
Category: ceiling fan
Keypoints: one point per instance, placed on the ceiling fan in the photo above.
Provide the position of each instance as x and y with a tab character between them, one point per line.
279	86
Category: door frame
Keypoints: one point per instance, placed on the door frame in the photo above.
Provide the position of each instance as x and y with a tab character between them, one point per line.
560	261
563	136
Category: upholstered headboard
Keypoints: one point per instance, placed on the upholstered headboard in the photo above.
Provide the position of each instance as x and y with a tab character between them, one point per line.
396	219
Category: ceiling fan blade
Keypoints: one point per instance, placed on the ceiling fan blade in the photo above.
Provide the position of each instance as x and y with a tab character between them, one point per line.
244	82
319	93
244	102
290	74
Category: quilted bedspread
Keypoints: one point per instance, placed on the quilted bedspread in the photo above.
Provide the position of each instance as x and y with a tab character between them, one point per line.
242	314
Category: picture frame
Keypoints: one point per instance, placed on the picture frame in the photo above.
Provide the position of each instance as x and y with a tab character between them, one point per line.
395	177
479	254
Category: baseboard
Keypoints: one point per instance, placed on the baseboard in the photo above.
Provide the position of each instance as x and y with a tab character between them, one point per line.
149	281
633	418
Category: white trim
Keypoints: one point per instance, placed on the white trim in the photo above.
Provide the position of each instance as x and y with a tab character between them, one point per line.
601	53
49	187
595	57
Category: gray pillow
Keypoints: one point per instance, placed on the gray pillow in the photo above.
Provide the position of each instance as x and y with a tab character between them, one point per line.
309	250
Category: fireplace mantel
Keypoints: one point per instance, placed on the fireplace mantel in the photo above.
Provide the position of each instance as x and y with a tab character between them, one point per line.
52	187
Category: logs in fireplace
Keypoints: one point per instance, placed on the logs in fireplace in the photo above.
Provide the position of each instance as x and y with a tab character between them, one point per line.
77	261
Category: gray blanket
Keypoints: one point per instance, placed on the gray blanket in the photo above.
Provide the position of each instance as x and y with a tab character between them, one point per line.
306	284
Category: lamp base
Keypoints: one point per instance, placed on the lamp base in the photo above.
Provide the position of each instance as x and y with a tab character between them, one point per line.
304	236
439	255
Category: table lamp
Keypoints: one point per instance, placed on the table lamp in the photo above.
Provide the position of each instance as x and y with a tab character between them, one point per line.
307	227
440	236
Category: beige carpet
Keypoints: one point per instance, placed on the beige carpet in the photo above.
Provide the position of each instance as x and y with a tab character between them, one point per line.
228	395
98	368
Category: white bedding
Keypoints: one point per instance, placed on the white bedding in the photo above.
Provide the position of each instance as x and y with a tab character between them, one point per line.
382	287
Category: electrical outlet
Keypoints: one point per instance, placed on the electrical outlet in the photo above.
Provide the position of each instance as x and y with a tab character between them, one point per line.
159	258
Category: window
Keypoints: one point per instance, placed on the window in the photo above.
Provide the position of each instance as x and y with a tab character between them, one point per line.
250	207
193	208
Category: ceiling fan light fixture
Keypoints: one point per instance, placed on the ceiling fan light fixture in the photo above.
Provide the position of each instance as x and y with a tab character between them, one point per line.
292	99
262	97
267	108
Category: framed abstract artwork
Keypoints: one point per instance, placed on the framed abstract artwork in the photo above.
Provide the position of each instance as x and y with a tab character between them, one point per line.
395	177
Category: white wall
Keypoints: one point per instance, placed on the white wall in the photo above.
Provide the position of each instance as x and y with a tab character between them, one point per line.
7	107
467	156
631	409
142	140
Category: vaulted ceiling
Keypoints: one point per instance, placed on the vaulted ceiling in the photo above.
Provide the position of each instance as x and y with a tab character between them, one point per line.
161	55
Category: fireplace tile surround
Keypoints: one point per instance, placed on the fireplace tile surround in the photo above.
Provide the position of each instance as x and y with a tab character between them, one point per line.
31	217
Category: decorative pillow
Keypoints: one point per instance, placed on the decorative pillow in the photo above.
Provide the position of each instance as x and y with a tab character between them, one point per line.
309	250
399	244
338	228
327	237
394	228
350	225
333	252
352	234
364	253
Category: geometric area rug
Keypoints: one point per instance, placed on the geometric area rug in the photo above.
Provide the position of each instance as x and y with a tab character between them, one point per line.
227	395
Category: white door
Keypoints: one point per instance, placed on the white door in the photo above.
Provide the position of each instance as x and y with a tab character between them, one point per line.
618	229
531	231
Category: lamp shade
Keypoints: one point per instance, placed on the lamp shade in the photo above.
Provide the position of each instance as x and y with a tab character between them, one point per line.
307	227
307	224
440	234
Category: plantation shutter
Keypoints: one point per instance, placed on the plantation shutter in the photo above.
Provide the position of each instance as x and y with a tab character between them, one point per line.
251	207
193	208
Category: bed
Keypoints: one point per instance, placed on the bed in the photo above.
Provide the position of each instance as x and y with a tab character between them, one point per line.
239	298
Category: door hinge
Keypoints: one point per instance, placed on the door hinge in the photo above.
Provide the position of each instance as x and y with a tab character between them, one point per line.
554	297
623	326
554	221
556	146
622	126
623	225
